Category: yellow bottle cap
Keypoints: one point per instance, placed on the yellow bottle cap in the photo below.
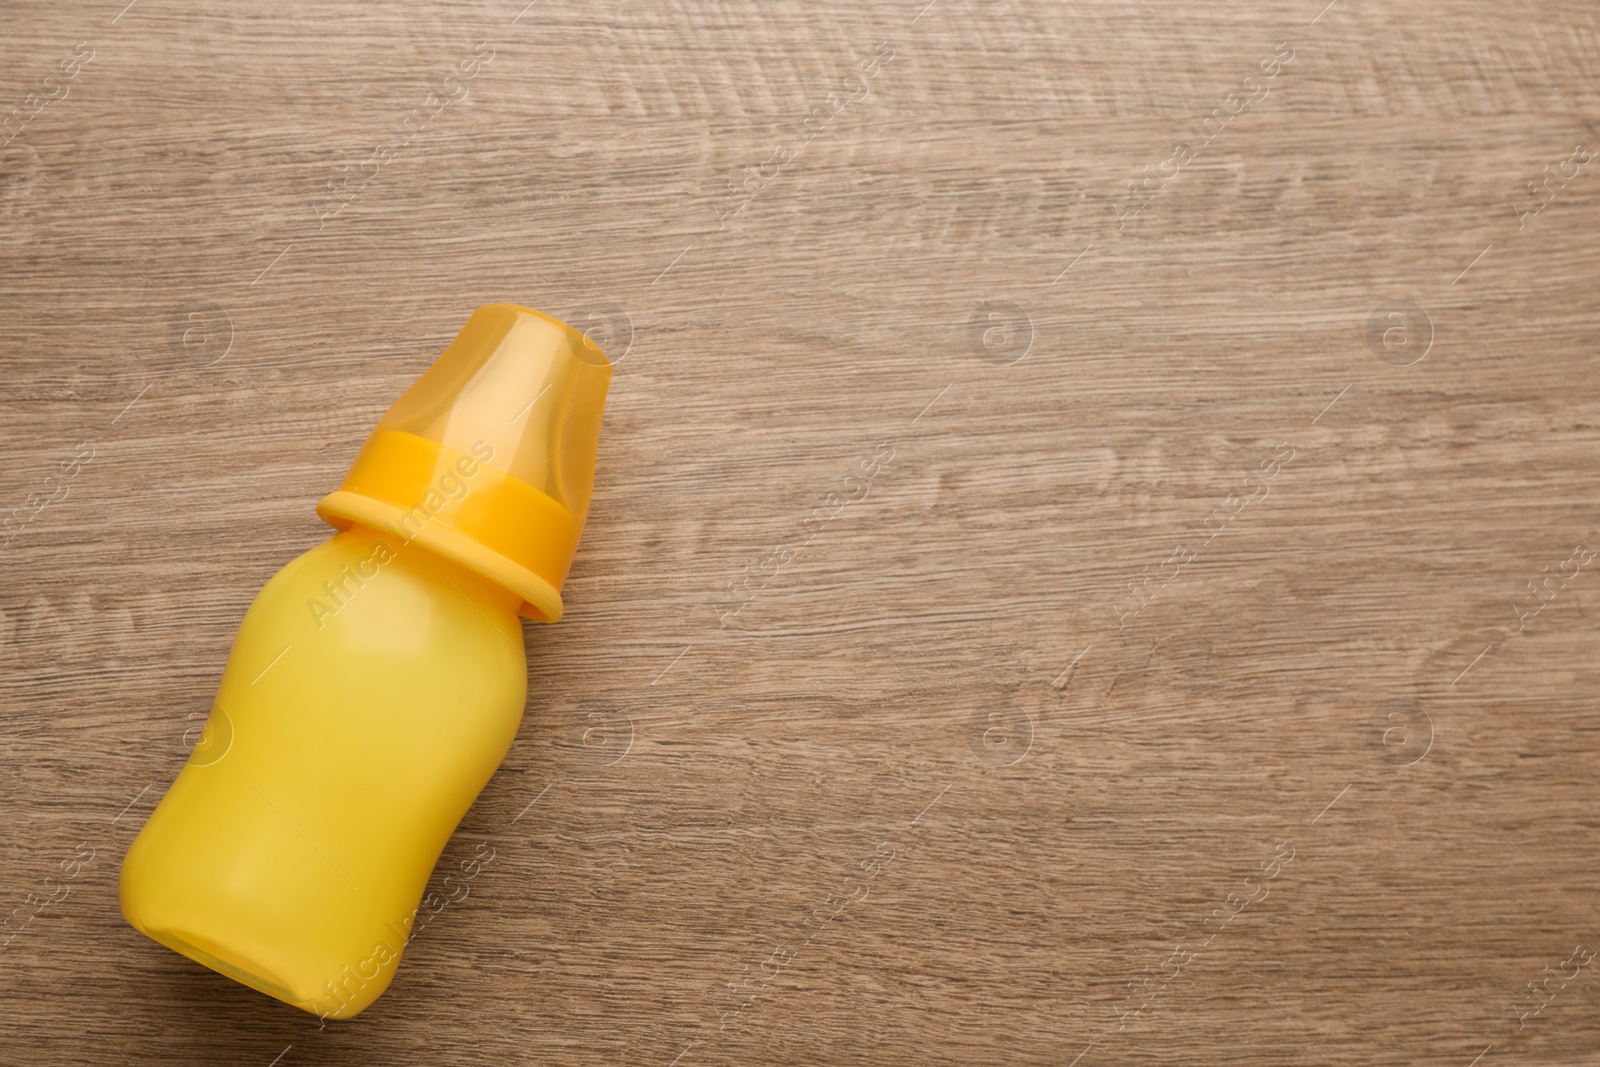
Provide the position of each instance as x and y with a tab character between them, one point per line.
488	459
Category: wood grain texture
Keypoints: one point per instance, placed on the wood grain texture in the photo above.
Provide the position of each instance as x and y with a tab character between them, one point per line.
970	759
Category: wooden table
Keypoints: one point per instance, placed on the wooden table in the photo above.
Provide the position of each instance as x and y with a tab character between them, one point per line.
1091	560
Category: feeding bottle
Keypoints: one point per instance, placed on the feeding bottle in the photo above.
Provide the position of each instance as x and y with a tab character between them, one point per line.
378	680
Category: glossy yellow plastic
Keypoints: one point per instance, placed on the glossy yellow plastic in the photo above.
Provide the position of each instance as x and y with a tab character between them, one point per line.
377	681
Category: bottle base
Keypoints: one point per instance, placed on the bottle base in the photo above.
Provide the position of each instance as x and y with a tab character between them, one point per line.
230	964
226	963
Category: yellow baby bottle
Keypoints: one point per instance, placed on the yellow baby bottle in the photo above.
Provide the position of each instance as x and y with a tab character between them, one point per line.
377	681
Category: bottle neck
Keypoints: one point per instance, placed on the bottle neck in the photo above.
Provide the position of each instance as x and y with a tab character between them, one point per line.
483	593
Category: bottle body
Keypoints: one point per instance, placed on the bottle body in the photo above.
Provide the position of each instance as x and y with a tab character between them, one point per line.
371	692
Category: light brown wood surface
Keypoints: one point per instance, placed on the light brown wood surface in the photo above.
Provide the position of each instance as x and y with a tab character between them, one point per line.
987	756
